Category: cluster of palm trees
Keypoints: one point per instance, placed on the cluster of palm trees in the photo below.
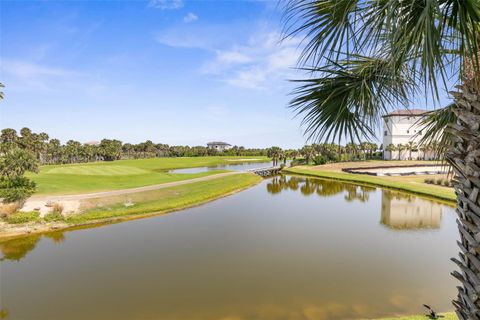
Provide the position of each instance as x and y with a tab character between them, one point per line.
320	153
52	151
428	151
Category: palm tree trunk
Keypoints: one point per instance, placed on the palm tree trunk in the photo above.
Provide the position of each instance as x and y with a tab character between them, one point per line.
464	156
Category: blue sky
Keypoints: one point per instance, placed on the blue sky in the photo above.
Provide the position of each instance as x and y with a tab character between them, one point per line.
173	71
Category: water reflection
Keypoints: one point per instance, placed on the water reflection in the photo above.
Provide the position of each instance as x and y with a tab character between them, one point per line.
399	210
288	248
323	188
17	249
402	211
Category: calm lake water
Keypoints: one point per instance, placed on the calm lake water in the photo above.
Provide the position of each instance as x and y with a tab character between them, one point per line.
288	248
242	166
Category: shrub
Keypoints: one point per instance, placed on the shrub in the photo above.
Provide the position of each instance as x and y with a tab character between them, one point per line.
439	181
57	208
16	189
8	209
54	216
429	180
24	217
319	160
447	183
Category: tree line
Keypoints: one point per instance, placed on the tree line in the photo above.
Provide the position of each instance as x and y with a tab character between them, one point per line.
52	151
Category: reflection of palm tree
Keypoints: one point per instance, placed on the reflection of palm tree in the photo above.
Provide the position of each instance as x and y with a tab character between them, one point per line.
293	183
308	187
274	186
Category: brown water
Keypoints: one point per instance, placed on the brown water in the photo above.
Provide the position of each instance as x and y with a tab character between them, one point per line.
288	248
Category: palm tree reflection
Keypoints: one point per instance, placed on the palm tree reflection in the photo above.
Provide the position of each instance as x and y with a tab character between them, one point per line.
323	188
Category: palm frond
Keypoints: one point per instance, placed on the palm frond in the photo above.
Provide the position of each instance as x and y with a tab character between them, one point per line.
348	98
327	27
433	128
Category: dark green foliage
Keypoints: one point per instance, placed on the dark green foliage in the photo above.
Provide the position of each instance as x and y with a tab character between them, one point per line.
16	189
319	160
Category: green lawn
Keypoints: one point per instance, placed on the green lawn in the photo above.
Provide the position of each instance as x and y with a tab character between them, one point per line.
412	184
163	200
446	316
122	174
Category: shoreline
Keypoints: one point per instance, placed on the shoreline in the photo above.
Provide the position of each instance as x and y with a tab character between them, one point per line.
375	181
28	229
23	230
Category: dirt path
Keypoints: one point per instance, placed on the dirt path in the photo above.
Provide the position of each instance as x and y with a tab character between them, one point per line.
71	203
129	190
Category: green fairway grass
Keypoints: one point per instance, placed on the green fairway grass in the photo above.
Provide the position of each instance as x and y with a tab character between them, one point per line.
163	200
445	316
122	174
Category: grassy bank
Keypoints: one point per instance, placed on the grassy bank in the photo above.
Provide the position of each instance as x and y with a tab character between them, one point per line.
446	316
138	205
122	174
411	184
163	200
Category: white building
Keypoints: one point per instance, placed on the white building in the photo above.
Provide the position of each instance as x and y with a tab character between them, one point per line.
401	127
218	145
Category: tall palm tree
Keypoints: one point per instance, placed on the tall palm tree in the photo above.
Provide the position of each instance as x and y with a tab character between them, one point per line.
400	148
391	148
411	146
364	57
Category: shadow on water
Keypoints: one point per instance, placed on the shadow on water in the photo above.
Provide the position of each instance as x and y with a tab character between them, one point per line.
399	211
17	249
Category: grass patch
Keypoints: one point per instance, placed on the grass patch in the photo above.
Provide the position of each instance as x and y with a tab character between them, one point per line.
24	217
122	174
163	200
53	216
446	316
412	184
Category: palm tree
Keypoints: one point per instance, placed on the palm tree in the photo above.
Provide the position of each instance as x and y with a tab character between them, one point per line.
411	146
400	148
391	148
424	149
308	153
1	91
274	153
365	57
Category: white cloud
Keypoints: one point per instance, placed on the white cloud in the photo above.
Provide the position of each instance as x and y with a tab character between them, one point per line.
194	36
190	17
263	61
26	74
166	4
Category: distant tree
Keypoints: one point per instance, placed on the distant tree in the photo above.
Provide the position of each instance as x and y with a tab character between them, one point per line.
411	146
391	148
400	148
111	149
307	153
274	153
13	165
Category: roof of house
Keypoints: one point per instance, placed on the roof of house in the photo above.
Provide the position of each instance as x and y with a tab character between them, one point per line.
218	143
92	143
406	112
